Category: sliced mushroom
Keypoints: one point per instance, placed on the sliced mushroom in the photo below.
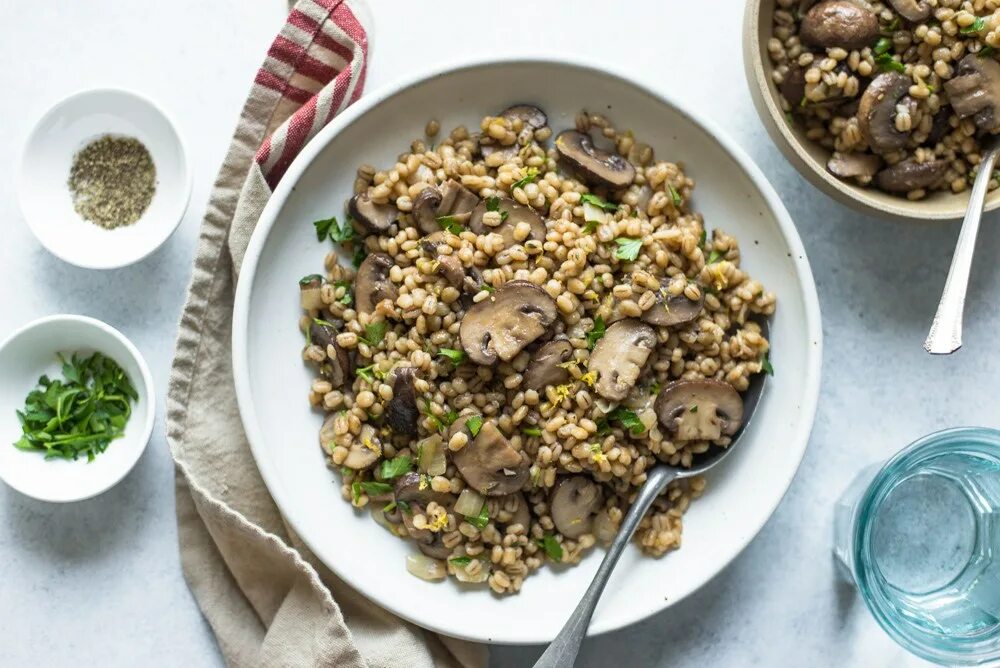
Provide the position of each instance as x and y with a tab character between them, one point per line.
531	116
910	175
414	487
877	112
793	86
519	514
365	450
373	218
338	367
699	410
975	91
490	465
511	214
501	326
327	434
310	289
849	165
619	356
596	167
401	413
457	202
940	127
670	310
372	284
574	502
842	23
450	267
425	210
544	368
914	11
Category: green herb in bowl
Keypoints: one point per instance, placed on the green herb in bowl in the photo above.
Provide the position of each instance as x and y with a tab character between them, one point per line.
79	414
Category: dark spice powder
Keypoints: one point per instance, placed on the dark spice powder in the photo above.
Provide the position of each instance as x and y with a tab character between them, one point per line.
112	180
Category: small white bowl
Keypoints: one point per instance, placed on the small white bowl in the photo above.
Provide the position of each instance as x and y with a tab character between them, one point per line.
24	357
45	197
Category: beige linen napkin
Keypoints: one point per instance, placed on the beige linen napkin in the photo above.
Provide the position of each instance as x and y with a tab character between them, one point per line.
267	598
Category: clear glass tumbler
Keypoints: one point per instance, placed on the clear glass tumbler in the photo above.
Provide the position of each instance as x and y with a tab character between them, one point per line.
920	537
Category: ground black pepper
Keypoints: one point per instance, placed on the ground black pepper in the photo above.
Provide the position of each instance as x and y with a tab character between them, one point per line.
112	181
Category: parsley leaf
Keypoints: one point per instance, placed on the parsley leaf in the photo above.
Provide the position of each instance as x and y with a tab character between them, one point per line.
395	467
474	423
675	196
456	356
986	51
714	257
882	46
324	226
460	561
891	28
532	431
588	198
628	419
489	288
886	63
330	228
367	372
369	488
704	237
974	27
450	224
552	547
449	418
348	298
493	204
374	333
590	226
693	409
628	249
530	175
654	388
596	332
765	365
480	520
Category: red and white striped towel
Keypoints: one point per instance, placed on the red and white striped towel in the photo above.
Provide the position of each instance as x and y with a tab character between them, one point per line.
267	598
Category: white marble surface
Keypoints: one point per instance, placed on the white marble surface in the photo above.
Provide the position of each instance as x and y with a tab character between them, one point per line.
99	583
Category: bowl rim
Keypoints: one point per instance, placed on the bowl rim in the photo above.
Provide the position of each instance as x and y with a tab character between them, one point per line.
146	380
186	180
773	119
269	217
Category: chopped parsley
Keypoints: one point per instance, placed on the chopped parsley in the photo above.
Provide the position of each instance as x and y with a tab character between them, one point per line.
591	226
360	253
654	388
704	237
596	332
766	366
892	27
714	257
460	561
532	431
474	423
450	224
675	196
369	488
693	409
882	46
489	288
552	547
455	356
628	249
493	204
588	198
374	333
480	520
627	419
370	373
395	467
986	51
329	228
347	299
887	63
974	27
530	175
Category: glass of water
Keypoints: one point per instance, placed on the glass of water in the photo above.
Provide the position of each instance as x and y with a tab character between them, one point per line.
920	537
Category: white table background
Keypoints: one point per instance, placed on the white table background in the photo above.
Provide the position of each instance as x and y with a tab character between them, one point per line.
99	582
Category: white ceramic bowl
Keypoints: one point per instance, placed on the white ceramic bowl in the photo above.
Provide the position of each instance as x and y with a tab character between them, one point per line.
31	352
45	197
272	382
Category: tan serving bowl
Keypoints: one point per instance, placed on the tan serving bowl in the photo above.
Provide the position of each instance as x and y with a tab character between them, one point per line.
809	157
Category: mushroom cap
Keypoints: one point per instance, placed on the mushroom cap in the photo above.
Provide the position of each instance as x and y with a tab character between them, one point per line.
544	370
373	218
912	10
975	91
457	201
327	435
503	324
909	175
311	292
849	165
365	450
671	310
372	284
840	23
793	86
451	268
877	111
619	356
413	487
530	115
338	366
591	164
425	210
519	514
401	413
515	214
573	503
490	465
699	409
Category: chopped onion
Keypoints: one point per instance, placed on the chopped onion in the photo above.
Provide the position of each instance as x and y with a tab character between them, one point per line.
311	299
432	456
482	576
594	213
604	528
425	567
645	194
604	405
648	418
469	503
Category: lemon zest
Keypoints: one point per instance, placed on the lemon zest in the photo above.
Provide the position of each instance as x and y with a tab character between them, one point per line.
422	485
439	523
589	378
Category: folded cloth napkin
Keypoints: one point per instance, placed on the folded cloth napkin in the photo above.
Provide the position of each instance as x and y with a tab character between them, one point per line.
269	601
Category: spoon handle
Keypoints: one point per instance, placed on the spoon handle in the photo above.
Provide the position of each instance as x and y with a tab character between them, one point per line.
945	336
563	650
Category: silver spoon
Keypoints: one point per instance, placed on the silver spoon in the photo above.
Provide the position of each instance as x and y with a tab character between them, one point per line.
945	336
562	652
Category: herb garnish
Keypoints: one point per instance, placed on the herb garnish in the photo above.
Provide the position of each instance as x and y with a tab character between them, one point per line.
370	373
714	257
460	561
591	226
474	423
489	288
588	198
596	332
882	46
891	28
493	204
886	63
628	419
675	196
986	51
766	366
395	467
330	228
456	356
480	520
530	174
628	249
532	431
369	488
79	415
450	224
552	547
975	26
374	333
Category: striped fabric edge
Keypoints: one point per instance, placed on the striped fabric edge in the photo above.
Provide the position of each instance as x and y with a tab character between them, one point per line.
317	63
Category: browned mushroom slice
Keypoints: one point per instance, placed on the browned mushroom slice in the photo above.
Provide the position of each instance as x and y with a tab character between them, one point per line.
596	167
699	410
842	23
914	11
490	465
401	413
619	356
327	434
511	214
457	202
909	175
574	501
425	210
514	510
413	494
338	367
670	310
415	487
531	116
877	112
975	91
793	86
450	267
849	165
310	289
503	324
373	218
546	365
372	284
364	451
